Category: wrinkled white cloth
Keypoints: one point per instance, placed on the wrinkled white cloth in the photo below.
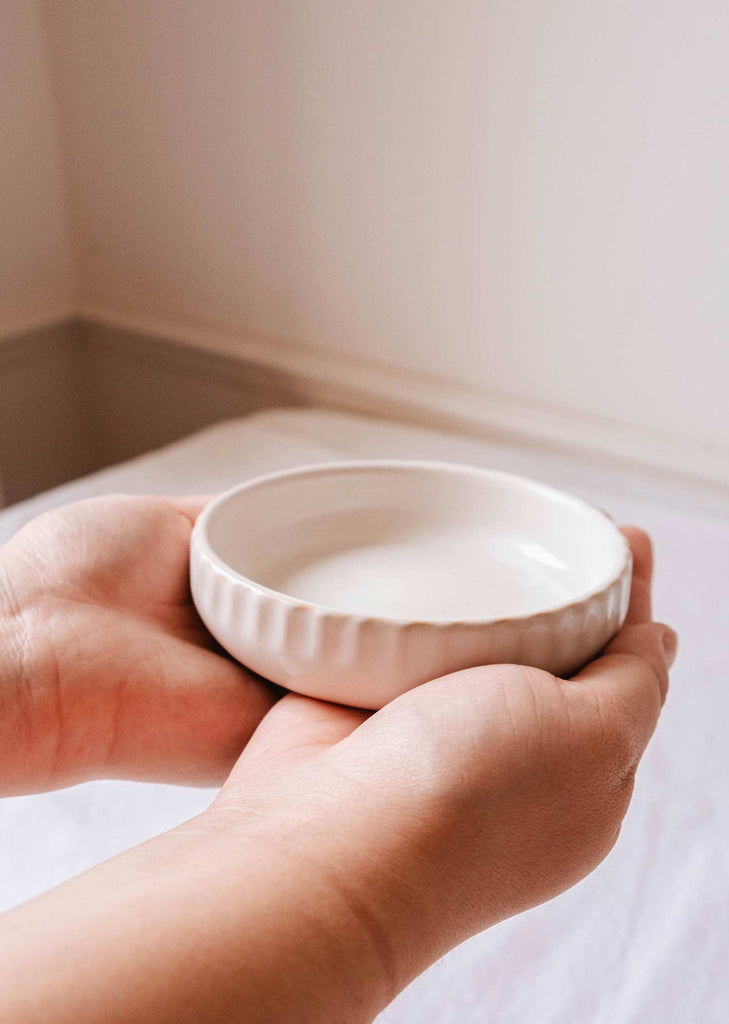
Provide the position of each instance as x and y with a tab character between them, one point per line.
645	937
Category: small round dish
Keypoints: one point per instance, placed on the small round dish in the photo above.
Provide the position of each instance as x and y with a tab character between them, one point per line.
354	582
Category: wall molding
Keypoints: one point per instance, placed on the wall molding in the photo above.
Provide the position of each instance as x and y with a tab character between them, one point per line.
44	431
77	395
86	392
317	376
39	317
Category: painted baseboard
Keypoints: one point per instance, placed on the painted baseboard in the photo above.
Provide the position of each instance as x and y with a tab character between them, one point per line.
318	376
86	393
39	317
44	435
76	396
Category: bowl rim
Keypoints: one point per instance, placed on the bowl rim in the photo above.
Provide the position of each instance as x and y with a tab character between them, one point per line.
200	543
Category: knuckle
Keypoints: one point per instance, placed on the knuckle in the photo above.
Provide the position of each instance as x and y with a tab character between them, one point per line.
620	741
619	781
615	777
607	747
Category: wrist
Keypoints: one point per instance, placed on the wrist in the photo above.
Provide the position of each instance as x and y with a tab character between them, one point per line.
30	712
15	739
385	869
319	953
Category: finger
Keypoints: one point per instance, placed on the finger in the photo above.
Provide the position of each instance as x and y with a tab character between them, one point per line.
628	684
301	725
639	609
191	506
654	642
187	722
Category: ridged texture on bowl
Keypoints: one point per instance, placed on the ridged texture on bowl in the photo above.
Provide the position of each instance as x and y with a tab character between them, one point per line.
366	662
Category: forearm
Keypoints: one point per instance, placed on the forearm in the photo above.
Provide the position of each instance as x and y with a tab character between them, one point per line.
201	924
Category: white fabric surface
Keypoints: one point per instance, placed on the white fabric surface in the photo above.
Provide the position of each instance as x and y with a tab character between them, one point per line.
645	937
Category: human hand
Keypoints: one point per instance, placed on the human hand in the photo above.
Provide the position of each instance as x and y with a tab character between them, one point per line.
462	802
107	669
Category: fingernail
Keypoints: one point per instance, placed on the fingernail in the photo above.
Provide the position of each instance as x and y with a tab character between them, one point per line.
670	645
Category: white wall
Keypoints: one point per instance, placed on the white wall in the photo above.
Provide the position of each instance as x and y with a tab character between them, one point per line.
35	267
526	197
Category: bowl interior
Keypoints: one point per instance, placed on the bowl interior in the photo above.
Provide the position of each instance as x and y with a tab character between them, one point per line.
415	541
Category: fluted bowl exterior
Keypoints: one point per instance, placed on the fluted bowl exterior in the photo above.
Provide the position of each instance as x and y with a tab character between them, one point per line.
367	661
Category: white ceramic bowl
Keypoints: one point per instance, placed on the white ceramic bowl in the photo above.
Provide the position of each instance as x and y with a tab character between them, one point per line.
354	582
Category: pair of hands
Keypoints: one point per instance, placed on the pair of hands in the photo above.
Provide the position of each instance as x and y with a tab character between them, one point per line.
460	803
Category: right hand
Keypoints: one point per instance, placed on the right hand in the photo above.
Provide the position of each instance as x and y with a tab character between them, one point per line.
465	800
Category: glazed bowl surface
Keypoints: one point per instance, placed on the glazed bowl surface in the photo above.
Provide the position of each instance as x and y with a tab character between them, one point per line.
353	582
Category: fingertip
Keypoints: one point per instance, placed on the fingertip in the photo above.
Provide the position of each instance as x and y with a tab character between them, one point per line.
640	609
641	547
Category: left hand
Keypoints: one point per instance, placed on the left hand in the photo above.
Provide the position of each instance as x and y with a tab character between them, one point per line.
106	669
